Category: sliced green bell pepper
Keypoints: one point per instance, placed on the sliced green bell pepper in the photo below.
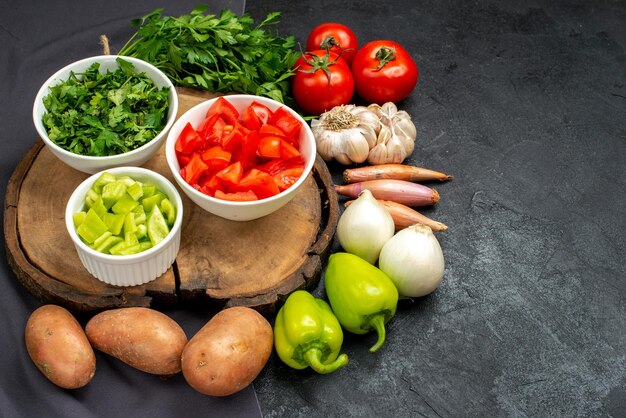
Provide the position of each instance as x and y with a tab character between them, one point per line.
361	296
307	334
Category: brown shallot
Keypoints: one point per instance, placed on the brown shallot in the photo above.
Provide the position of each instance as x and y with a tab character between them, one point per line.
404	216
400	191
392	171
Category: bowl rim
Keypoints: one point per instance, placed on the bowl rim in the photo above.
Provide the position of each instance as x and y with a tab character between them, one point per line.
78	195
44	91
170	142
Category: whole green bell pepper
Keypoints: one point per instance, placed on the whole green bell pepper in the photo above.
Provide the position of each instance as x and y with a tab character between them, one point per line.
307	334
362	296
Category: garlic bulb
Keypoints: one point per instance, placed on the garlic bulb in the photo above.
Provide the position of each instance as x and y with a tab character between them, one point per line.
346	133
364	227
396	139
413	260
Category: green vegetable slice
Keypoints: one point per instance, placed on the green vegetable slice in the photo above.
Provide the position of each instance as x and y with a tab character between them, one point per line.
157	226
92	227
170	211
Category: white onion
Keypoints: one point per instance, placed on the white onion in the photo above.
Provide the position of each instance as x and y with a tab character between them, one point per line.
413	260
364	227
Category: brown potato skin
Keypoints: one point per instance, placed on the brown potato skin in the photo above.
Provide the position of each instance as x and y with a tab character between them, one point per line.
143	338
58	346
228	352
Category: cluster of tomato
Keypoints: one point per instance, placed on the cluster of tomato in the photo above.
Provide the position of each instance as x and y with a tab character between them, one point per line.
245	158
334	67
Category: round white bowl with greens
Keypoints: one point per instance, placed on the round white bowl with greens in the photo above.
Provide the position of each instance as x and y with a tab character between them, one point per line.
105	111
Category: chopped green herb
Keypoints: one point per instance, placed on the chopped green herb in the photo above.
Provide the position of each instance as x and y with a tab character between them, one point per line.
105	114
224	53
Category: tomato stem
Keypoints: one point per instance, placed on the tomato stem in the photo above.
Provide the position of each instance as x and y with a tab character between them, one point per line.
319	63
384	55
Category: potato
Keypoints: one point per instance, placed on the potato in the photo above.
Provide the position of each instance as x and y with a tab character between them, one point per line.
143	338
58	346
228	352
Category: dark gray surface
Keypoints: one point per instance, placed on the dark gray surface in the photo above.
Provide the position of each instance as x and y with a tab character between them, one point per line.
525	103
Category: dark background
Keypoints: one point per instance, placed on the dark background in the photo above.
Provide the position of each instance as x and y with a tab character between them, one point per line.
525	104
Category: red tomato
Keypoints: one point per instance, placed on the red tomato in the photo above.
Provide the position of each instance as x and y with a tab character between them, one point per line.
231	175
236	196
216	158
287	177
188	141
261	183
288	124
336	36
269	147
322	81
194	169
225	109
384	72
256	115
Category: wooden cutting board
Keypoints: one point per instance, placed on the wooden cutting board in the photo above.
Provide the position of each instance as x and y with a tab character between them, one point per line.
220	262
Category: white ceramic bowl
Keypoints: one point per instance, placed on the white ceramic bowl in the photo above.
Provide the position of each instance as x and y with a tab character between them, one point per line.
134	269
92	164
239	211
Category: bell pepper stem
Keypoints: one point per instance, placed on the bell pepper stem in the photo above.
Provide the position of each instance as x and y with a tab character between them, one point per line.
378	322
313	358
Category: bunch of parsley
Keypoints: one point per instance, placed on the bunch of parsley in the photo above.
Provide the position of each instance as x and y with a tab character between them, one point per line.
224	53
105	114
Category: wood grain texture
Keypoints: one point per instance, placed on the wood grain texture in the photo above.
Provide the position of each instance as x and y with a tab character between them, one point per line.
254	263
